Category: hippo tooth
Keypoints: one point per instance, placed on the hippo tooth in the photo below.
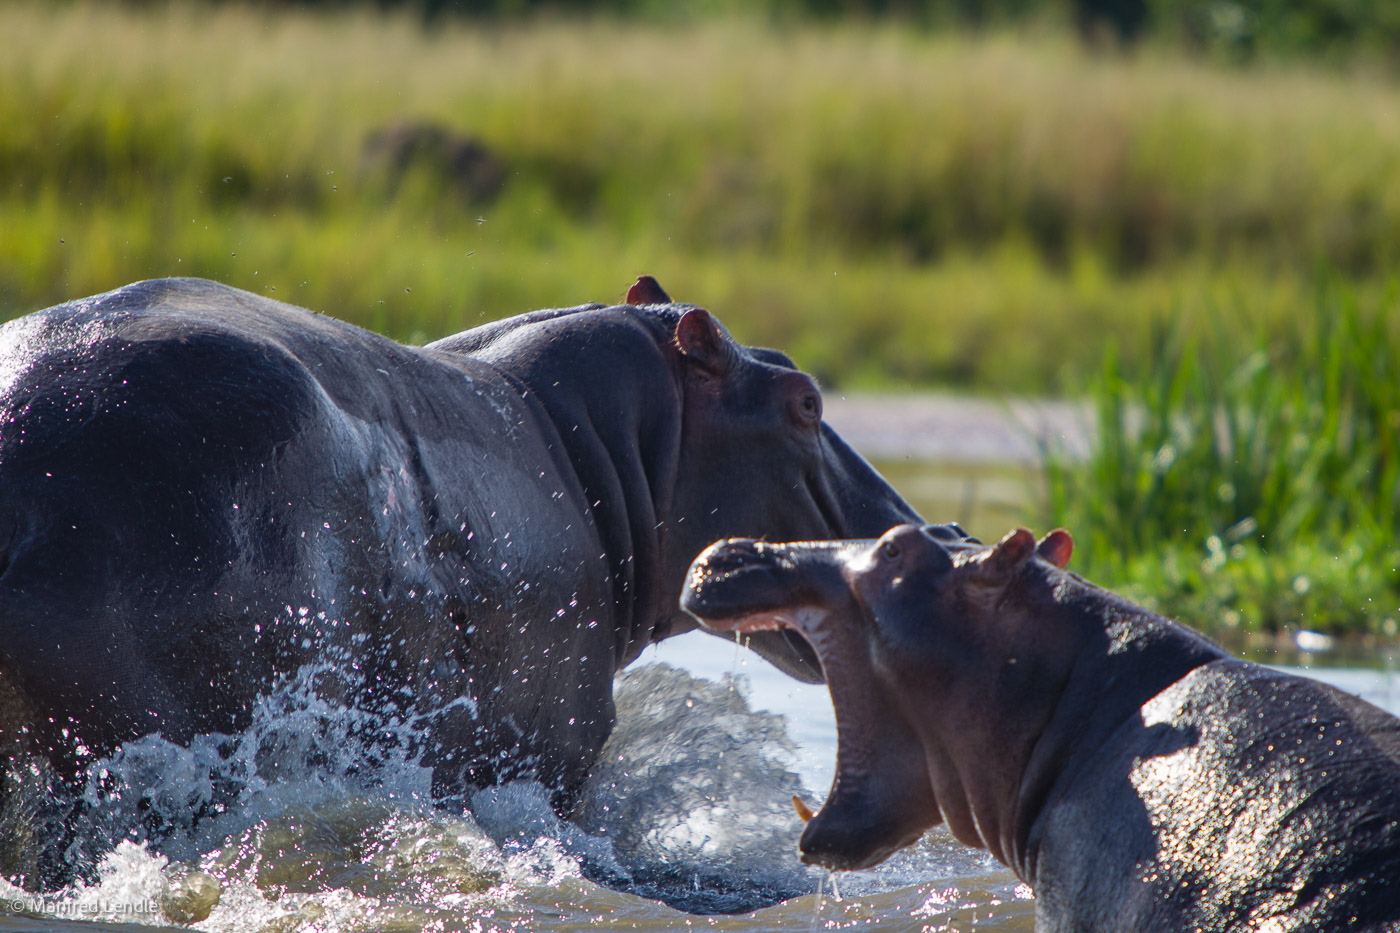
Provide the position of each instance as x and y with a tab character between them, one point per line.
802	809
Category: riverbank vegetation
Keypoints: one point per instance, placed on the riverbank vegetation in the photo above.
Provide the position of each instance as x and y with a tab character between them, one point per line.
1243	490
896	207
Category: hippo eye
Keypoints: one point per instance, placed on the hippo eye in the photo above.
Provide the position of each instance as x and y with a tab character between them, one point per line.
890	551
805	407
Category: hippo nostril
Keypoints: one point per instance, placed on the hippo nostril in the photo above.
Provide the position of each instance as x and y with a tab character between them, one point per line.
891	551
730	555
739	548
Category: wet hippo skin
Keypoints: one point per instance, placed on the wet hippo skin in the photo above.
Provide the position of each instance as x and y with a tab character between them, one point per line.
203	491
1134	774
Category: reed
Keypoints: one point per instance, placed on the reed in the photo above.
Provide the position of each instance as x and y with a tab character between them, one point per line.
1255	488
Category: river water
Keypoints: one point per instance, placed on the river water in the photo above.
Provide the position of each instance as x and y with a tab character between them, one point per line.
686	825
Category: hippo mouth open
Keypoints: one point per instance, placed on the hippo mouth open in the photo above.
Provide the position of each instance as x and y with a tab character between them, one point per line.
746	586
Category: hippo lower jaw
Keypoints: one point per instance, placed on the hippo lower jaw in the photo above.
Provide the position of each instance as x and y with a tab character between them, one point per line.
746	587
837	840
881	799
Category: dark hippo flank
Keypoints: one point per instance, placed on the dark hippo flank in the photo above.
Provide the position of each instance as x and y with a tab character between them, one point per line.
1134	774
203	491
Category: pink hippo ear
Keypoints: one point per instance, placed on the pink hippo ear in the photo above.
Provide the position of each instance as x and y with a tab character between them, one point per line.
1056	547
1009	555
647	291
700	340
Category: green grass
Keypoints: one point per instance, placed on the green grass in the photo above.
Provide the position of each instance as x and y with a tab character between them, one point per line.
1244	490
893	207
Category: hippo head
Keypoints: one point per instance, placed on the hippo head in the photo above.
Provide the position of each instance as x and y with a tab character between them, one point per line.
682	436
759	461
919	651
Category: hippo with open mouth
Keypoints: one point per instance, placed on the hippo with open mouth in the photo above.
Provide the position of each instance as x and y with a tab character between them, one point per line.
1135	774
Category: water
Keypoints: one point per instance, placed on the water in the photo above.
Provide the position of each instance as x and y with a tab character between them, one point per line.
687	824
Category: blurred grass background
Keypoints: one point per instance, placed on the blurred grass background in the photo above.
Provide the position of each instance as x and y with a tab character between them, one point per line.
989	197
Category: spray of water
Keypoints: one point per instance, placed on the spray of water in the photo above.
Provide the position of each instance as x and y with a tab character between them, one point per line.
319	816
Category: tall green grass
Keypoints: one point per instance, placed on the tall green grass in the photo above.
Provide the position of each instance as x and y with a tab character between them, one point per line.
894	207
1254	489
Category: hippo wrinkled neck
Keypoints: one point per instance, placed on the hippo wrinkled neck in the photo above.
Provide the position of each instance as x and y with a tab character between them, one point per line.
617	413
1128	652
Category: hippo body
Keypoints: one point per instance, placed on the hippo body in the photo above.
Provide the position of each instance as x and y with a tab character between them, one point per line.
1242	798
1133	773
204	492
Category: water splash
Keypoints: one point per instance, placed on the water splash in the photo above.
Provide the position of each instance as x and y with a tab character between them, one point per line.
318	817
694	789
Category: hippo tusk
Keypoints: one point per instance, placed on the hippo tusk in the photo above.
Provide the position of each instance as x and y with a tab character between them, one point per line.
802	809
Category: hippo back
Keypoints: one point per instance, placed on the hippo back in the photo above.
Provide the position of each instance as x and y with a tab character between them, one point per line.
203	489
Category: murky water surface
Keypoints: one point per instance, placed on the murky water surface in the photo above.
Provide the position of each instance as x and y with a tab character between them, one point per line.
687	825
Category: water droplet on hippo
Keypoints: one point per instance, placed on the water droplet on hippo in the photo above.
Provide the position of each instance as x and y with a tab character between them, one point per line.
593	624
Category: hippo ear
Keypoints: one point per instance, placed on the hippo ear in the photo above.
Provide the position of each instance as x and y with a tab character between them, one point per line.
647	291
1007	557
1056	547
700	340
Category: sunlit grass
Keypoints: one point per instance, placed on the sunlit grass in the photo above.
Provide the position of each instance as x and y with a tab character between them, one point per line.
892	207
1243	490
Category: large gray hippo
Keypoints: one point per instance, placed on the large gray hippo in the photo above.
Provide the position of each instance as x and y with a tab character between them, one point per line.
1134	774
203	491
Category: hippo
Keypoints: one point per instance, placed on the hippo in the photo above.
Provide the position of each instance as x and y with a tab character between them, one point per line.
204	491
1133	773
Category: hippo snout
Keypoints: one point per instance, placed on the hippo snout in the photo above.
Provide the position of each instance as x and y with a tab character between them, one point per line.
731	578
729	556
733	581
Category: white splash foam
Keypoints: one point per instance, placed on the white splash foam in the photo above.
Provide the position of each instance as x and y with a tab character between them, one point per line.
308	828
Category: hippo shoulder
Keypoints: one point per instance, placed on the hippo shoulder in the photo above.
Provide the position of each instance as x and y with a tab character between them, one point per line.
1243	696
